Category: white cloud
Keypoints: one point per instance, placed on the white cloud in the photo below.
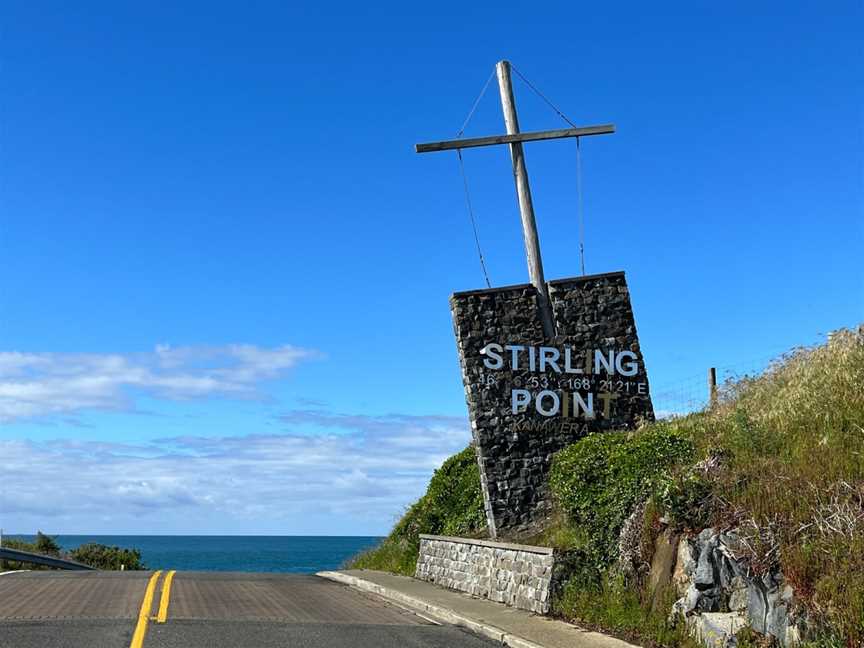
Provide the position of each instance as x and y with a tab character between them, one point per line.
364	474
45	384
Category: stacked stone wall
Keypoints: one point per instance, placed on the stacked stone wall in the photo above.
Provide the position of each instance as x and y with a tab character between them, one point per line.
517	575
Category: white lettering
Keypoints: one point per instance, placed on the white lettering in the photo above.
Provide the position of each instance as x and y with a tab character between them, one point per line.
608	363
519	399
514	354
556	403
549	356
579	403
629	368
568	362
494	361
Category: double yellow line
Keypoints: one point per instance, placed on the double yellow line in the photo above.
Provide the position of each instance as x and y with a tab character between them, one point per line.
144	614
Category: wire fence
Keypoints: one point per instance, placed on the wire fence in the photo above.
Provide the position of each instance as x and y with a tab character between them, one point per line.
693	393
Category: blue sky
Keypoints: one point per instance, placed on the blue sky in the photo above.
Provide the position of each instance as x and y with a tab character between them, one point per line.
223	305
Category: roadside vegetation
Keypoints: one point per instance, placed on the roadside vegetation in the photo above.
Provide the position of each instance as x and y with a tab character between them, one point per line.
779	458
452	505
96	555
42	544
109	558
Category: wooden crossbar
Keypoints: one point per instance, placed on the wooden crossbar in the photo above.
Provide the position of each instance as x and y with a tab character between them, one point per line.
450	145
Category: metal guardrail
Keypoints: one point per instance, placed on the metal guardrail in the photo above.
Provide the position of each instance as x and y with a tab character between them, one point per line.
39	559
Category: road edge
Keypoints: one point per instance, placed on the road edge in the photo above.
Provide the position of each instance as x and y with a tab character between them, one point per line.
438	613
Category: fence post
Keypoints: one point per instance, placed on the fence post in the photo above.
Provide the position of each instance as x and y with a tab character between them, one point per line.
712	387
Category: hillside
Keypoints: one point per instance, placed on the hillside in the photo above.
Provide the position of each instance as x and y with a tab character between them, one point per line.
777	465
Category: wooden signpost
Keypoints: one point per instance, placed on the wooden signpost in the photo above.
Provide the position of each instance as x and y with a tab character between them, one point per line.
520	175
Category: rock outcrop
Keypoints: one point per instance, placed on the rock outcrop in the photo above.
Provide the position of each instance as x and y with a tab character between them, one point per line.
719	596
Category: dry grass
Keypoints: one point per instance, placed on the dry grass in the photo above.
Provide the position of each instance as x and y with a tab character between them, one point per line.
793	439
783	463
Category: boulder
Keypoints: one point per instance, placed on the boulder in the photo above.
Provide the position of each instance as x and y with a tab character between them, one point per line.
716	629
685	565
739	597
705	576
715	588
757	606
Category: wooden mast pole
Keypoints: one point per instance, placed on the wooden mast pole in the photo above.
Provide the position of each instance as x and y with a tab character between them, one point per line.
526	205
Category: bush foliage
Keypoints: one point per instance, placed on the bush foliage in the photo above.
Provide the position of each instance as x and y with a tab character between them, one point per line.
96	555
46	545
598	481
104	557
43	544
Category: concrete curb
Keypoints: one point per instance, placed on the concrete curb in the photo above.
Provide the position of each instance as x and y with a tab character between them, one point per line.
438	613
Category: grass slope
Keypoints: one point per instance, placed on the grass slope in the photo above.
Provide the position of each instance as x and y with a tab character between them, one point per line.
784	453
782	458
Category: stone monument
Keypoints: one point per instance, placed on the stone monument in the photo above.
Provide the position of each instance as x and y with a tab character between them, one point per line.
544	363
529	396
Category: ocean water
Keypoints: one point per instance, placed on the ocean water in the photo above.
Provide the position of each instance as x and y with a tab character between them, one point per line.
296	554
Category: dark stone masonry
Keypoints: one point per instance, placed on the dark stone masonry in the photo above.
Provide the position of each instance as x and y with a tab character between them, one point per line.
524	407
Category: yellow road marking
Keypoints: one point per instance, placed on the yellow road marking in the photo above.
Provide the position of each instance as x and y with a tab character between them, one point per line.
166	597
144	613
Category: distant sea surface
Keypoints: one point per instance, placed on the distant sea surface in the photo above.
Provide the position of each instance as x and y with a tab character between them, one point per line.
297	554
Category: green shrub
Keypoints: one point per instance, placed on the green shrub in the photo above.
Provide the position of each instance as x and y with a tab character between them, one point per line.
685	498
46	545
43	544
600	479
20	545
452	505
104	557
96	555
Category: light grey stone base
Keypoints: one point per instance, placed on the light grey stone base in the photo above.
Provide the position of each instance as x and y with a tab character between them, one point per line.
518	575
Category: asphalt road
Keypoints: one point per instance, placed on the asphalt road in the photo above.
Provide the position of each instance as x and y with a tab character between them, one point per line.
206	610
